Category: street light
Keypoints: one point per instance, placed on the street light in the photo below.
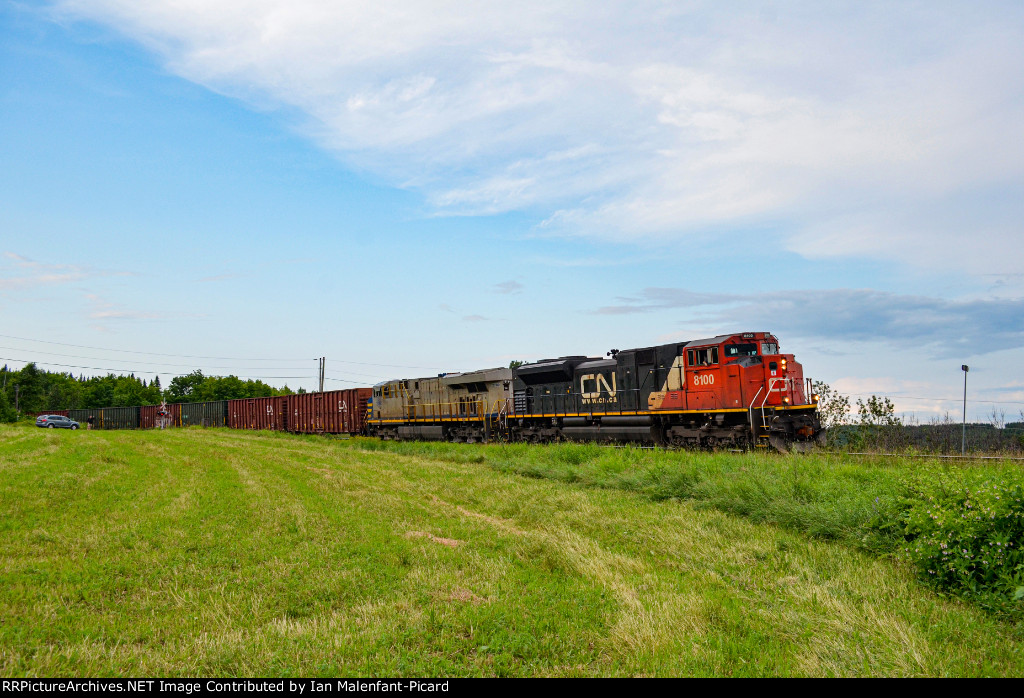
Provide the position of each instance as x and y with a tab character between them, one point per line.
963	446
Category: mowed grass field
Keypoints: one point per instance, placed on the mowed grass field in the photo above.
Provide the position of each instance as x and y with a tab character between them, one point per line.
217	552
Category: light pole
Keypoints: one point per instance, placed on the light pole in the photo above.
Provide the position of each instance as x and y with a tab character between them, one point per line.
963	446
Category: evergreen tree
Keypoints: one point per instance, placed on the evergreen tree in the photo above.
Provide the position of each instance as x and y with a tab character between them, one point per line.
7	413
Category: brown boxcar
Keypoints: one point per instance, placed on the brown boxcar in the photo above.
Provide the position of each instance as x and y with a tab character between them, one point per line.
332	412
259	413
148	416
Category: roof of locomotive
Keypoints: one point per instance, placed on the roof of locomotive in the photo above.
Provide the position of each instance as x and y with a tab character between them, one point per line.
485	375
702	342
710	340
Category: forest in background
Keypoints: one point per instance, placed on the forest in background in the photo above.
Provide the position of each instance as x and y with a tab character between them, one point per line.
32	390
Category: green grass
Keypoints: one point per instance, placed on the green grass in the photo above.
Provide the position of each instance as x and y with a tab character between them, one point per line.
216	552
825	495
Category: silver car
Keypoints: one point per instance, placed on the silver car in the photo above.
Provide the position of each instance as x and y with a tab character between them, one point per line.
55	421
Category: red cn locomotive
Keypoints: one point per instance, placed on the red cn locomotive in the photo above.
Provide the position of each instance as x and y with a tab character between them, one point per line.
730	390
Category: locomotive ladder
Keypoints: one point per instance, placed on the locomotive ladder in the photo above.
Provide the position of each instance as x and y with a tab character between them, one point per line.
764	401
501	417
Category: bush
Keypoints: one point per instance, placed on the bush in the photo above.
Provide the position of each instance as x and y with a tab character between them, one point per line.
964	535
7	413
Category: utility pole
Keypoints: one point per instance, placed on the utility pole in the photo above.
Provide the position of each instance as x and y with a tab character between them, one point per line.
323	365
963	446
17	407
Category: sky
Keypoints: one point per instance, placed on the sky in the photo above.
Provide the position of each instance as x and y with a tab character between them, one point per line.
416	187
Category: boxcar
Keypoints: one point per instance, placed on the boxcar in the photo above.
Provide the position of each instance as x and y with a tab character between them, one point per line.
82	417
258	413
148	416
332	412
120	418
203	414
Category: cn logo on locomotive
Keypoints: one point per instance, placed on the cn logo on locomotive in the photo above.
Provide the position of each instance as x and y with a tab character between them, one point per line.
603	386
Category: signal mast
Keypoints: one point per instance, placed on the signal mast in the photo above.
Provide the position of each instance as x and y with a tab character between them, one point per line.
163	419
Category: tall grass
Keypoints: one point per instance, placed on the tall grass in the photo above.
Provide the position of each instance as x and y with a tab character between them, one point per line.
868	503
215	552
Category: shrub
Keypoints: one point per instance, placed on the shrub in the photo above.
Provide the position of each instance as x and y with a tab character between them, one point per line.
964	535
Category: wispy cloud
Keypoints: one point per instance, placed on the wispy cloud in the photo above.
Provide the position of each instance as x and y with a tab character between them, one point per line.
218	277
507	287
474	318
870	129
26	273
933	326
104	311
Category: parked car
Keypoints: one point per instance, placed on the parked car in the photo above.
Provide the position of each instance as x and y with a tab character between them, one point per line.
55	421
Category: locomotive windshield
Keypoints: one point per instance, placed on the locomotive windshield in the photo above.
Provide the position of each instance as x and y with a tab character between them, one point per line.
769	348
740	350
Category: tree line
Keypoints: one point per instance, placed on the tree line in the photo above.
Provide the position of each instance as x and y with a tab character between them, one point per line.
31	389
873	425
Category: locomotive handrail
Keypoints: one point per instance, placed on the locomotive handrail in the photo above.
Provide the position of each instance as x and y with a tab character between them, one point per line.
771	385
750	413
471	408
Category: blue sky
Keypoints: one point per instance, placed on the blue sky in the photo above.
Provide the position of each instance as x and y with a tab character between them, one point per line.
417	187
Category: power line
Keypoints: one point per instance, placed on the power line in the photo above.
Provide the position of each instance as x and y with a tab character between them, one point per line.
364	363
132	371
342	380
217	358
149	353
152	363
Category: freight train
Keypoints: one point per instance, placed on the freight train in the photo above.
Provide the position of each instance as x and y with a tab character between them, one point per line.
730	391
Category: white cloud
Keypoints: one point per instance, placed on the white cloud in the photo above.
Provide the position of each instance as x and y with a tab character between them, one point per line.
934	327
868	129
26	273
29	273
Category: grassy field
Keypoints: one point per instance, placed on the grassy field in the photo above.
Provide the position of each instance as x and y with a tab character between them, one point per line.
192	552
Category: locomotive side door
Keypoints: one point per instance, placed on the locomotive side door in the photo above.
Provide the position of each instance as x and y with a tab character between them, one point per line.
628	388
645	377
703	379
